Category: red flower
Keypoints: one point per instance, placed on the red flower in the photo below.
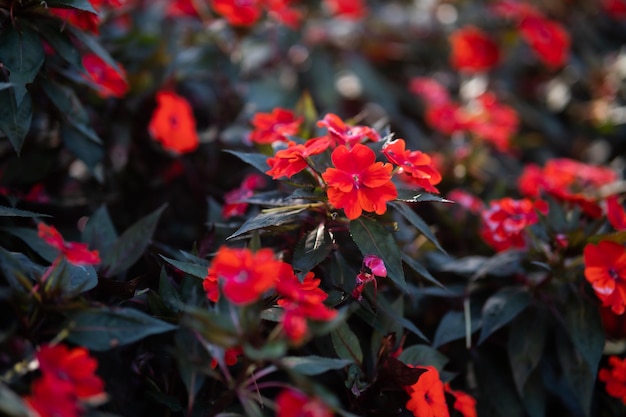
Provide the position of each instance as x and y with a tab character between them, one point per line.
415	164
245	275
178	8
473	50
53	397
614	325
280	11
110	82
346	9
506	220
233	205
306	291
238	12
359	182
274	126
463	402
292	403
427	398
288	162
431	91
466	200
173	123
615	213
605	269
615	378
87	21
492	121
231	356
376	265
344	134
75	253
74	366
615	8
447	118
547	38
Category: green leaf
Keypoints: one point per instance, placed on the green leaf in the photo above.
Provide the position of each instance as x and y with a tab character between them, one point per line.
501	308
313	365
32	239
14	212
420	269
81	143
584	326
11	404
18	269
132	244
312	249
416	196
70	109
23	55
15	121
580	378
525	351
496	388
423	355
346	343
73	279
265	220
60	42
374	239
72	4
413	218
269	350
216	328
196	270
452	327
534	395
257	160
388	309
169	293
105	328
99	232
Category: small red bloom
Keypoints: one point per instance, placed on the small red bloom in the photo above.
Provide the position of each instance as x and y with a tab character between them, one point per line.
238	12
74	366
53	397
375	265
415	164
173	123
347	9
359	183
288	162
615	213
506	220
293	403
177	8
75	253
281	11
110	82
473	50
605	269
233	205
344	134
447	118
231	356
615	8
463	402
427	398
87	21
275	126
433	93
290	288
547	38
615	377
492	121
466	200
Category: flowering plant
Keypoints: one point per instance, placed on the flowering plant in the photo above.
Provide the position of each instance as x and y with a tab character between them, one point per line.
312	208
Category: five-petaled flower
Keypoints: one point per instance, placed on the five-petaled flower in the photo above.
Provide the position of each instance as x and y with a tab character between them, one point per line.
358	183
273	127
605	269
173	123
615	377
75	253
473	50
427	398
344	134
416	165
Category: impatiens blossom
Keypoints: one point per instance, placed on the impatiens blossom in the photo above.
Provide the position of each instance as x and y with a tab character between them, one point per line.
427	398
431	91
346	9
615	213
282	12
505	222
373	267
294	403
244	275
615	377
344	134
173	124
417	166
50	396
447	118
275	126
231	356
473	50
75	253
109	82
466	200
547	38
233	204
491	121
358	183
463	402
605	269
238	12
288	162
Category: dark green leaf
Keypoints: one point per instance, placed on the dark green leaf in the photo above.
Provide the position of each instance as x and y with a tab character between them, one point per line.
527	335
106	328
257	160
92	44
18	269
423	355
584	325
61	43
11	404
73	4
501	308
313	365
534	395
269	350
81	143
4	86
388	309
22	54
132	244
346	344
413	218
264	220
496	387
579	376
32	239
14	212
216	328
312	249
99	232
73	279
452	327
169	293
198	271
402	375
416	196
250	407
420	269
374	239
15	121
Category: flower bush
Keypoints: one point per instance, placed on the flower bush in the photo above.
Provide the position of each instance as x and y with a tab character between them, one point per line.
312	208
